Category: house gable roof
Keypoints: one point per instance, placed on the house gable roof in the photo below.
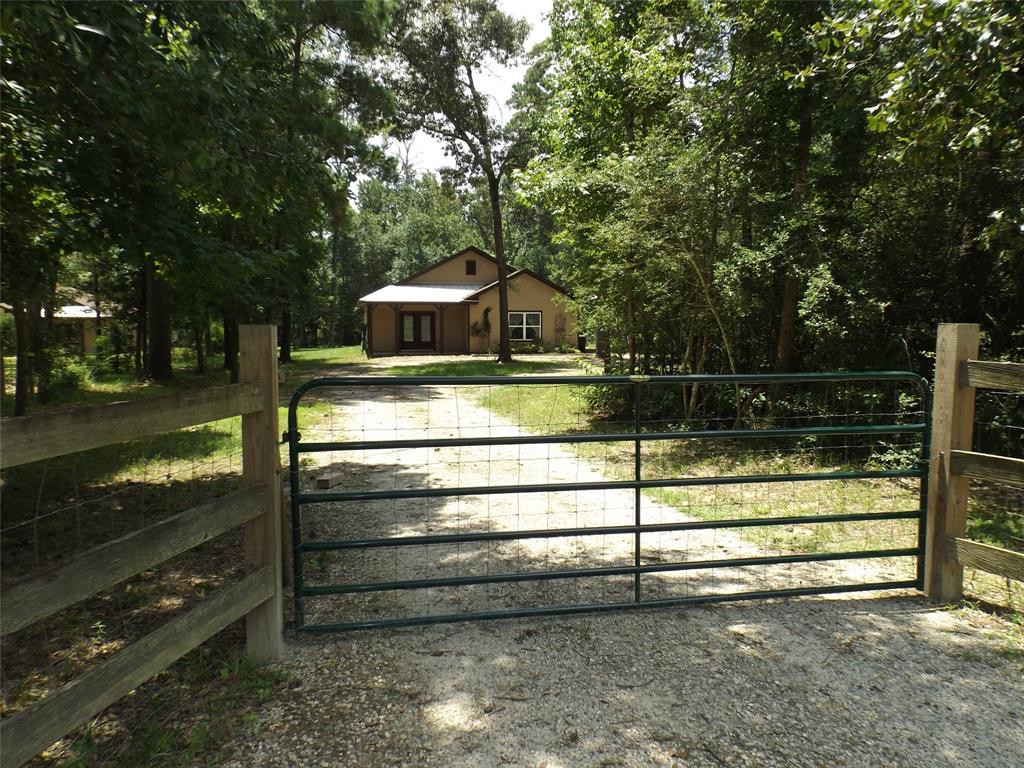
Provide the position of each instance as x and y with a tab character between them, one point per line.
404	293
475	251
518	273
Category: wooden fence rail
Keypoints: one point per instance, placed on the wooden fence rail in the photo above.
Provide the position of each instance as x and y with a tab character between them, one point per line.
34	438
953	464
256	596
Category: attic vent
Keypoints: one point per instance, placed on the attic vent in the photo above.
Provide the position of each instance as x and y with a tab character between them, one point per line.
470	266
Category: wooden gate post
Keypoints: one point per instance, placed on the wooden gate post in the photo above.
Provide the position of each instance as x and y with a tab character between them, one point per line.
261	465
952	429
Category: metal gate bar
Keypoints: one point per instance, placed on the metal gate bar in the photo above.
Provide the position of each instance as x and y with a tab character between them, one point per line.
637	436
551	533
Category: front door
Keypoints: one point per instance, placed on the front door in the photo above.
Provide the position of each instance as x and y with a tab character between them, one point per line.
417	330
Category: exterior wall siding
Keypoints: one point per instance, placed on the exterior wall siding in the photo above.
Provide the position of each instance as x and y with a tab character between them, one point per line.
383	339
525	294
455	329
454	272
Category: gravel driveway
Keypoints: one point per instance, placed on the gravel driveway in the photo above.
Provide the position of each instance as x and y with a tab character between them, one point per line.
839	681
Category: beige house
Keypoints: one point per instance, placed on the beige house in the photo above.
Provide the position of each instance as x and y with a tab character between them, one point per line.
452	308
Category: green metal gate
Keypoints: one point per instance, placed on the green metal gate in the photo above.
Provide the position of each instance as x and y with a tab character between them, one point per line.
637	579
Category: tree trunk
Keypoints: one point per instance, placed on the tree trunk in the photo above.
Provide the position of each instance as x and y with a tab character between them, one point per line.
286	334
141	355
23	364
207	337
200	344
785	351
716	202
96	298
747	219
631	337
231	345
139	349
115	337
158	325
504	347
331	337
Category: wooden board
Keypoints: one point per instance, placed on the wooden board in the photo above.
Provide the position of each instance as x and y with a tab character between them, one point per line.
952	429
989	558
82	577
24	439
990	375
26	734
261	466
329	481
988	467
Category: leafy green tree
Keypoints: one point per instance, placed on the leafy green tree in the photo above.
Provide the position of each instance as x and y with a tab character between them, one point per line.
190	148
784	187
442	48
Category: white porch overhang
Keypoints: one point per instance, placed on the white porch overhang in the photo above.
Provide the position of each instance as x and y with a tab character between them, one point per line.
420	294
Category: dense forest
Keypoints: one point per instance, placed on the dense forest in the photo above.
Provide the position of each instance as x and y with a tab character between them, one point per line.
724	186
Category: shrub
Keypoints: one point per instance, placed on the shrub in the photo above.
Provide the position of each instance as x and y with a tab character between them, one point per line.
60	375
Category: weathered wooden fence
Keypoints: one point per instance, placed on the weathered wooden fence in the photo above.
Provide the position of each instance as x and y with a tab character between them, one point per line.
257	596
953	464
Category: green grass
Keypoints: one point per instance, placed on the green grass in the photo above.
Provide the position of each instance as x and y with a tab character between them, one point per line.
106	386
174	732
328	356
476	368
553	409
161	474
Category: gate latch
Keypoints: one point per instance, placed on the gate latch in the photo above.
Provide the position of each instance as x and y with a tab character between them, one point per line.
286	435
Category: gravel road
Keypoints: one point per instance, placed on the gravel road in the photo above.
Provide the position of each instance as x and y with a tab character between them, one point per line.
839	681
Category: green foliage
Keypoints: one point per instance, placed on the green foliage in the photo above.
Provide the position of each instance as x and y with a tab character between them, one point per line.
60	376
6	333
713	170
409	225
198	144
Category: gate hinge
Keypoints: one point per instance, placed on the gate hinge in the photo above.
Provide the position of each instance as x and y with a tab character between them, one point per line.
286	435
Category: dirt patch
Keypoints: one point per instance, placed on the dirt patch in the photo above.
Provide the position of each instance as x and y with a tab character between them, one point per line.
808	682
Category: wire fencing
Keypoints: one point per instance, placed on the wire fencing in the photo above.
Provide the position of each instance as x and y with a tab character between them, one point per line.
995	513
55	509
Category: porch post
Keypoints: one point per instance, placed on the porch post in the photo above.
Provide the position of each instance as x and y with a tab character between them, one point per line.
440	322
398	327
369	330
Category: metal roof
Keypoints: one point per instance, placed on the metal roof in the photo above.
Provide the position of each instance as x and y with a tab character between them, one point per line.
420	294
77	312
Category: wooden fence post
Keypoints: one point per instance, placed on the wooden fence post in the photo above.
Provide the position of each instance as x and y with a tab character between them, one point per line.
261	465
952	429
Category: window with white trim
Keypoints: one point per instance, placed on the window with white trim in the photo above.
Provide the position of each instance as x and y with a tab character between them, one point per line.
524	326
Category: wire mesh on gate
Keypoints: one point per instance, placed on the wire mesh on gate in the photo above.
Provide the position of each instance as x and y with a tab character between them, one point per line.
425	498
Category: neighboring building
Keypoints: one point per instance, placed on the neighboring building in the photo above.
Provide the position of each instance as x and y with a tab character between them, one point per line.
76	322
77	326
452	308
